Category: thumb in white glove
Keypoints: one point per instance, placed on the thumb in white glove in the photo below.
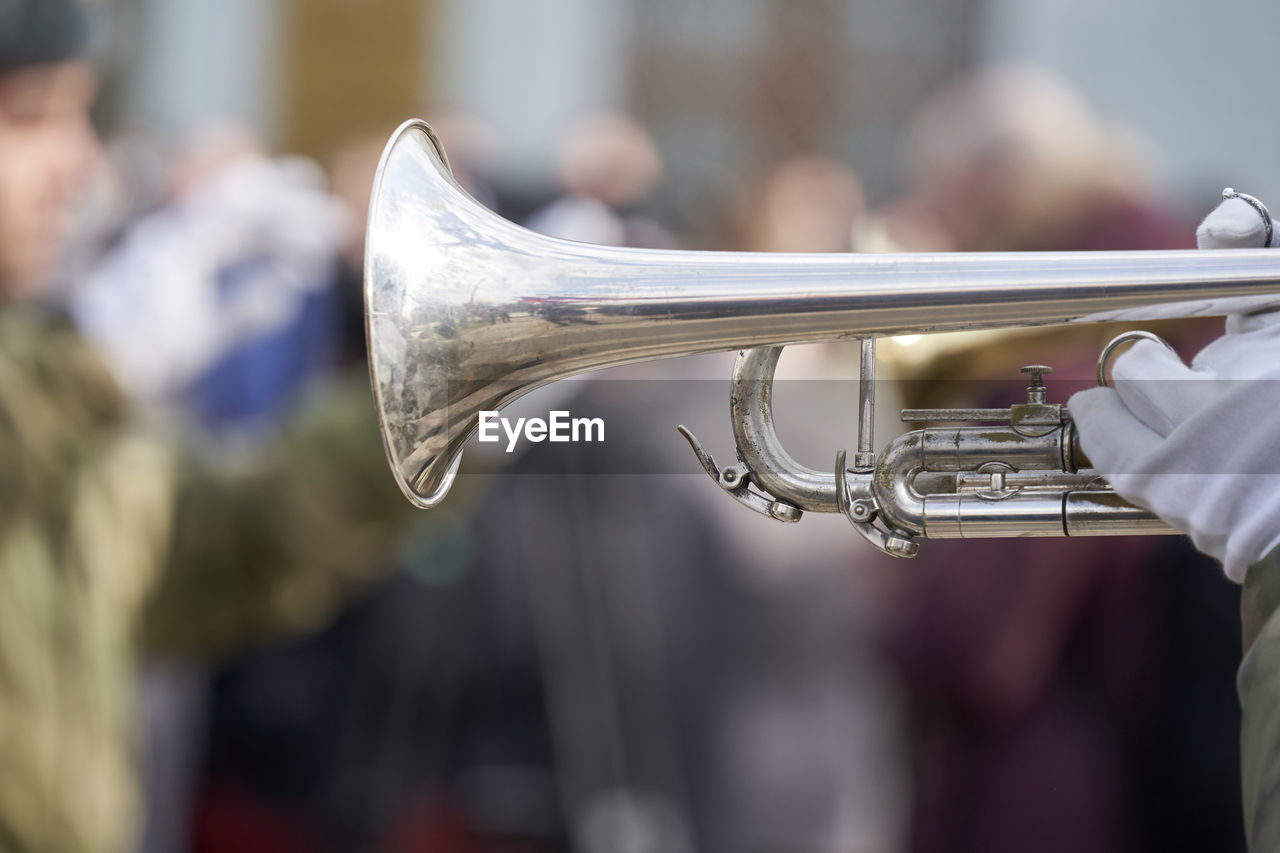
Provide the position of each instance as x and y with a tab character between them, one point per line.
1199	445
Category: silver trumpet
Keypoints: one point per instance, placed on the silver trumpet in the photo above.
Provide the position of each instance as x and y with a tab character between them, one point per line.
467	312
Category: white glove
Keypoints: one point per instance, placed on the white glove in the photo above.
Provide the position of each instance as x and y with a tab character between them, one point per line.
1200	445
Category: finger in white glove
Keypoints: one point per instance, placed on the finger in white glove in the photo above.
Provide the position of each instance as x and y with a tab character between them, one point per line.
1159	389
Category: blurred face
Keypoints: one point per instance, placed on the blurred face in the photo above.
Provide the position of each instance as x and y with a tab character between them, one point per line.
47	149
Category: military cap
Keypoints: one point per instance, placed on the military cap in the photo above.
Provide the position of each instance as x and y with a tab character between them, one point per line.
39	32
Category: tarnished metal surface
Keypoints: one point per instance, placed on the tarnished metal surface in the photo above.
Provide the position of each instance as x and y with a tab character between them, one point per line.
751	415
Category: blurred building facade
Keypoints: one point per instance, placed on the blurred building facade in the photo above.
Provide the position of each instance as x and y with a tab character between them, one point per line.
725	85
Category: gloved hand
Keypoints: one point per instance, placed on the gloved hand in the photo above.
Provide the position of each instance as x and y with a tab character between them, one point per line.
1200	445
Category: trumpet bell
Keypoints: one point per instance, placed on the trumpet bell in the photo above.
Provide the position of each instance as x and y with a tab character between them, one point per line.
466	311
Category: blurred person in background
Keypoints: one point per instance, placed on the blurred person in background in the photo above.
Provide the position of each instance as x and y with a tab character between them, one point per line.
606	164
807	203
110	545
1011	159
50	147
213	299
220	305
1068	694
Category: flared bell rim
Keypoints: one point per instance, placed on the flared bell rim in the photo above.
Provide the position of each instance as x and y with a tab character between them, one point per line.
409	484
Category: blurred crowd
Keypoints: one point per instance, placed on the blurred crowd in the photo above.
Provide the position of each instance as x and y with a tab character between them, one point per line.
627	663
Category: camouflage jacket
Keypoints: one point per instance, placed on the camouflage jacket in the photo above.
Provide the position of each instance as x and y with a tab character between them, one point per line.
109	542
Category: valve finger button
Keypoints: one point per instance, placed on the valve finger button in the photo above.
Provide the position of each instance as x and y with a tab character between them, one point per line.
1036	391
